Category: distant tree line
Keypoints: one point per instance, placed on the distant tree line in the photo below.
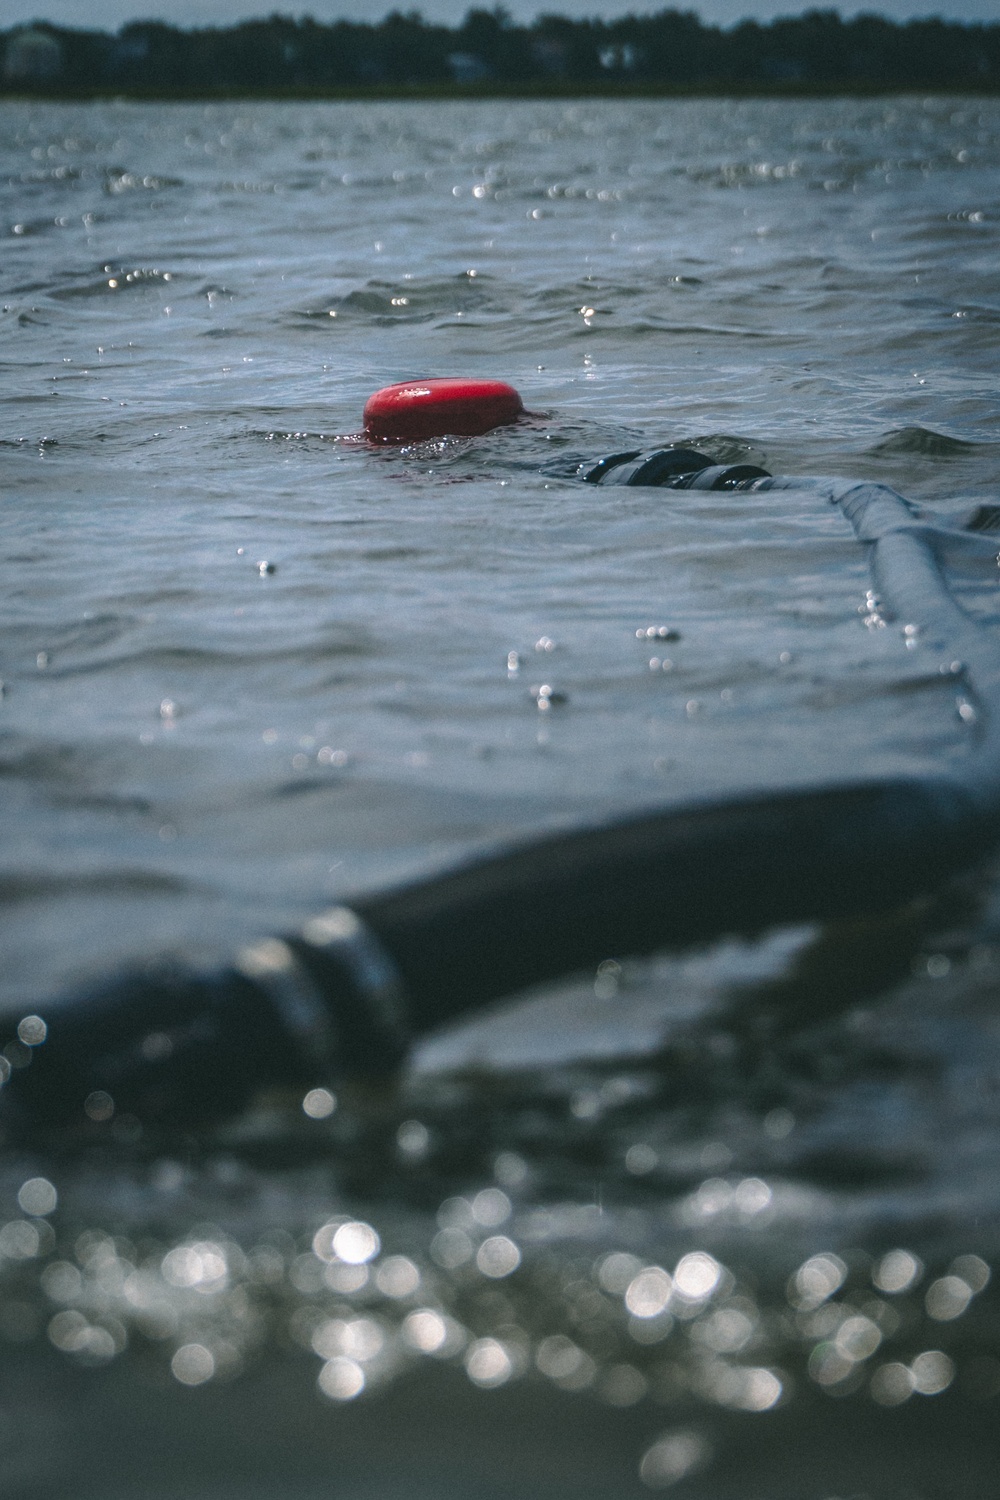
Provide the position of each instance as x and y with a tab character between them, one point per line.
669	52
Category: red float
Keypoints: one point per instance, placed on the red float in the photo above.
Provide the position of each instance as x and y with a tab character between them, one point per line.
434	408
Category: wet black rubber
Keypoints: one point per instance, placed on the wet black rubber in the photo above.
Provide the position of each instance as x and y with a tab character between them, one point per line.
178	1049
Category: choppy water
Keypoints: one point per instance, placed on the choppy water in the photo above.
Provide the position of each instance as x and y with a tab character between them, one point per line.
196	302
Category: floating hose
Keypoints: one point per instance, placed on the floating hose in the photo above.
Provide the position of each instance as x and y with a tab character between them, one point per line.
348	993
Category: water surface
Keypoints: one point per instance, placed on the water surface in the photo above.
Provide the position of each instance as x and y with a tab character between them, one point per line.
196	748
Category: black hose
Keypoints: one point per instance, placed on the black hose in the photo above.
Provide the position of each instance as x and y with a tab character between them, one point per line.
667	879
347	994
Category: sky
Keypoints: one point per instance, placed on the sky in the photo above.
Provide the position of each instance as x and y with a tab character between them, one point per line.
108	15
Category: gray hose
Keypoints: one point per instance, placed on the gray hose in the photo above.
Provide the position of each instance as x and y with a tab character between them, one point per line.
904	554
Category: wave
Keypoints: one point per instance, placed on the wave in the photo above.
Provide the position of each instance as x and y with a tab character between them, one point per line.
350	642
105	280
41	886
922	440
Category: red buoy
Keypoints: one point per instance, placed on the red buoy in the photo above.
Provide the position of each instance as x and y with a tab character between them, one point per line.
433	408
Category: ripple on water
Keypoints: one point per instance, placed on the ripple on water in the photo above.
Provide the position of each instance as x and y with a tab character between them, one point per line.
783	1151
923	441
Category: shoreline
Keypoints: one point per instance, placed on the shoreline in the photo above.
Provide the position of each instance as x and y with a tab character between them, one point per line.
475	93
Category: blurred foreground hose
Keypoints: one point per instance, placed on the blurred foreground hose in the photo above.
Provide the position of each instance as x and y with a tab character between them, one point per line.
347	994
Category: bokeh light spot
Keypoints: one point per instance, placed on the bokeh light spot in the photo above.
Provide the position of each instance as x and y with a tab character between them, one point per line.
616	1271
649	1292
488	1363
345	1279
193	1364
341	1379
319	1104
857	1338
565	1363
413	1139
816	1280
20	1240
891	1384
32	1031
425	1330
897	1271
356	1243
98	1106
397	1276
451	1248
201	1266
498	1257
641	1159
973	1270
672	1458
932	1372
946	1298
491	1208
37	1197
697	1275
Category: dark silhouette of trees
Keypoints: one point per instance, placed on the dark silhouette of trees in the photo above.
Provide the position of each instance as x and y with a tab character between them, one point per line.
669	51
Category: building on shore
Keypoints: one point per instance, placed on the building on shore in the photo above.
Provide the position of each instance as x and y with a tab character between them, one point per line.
32	56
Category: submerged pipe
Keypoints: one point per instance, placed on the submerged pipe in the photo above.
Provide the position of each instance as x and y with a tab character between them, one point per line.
348	993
